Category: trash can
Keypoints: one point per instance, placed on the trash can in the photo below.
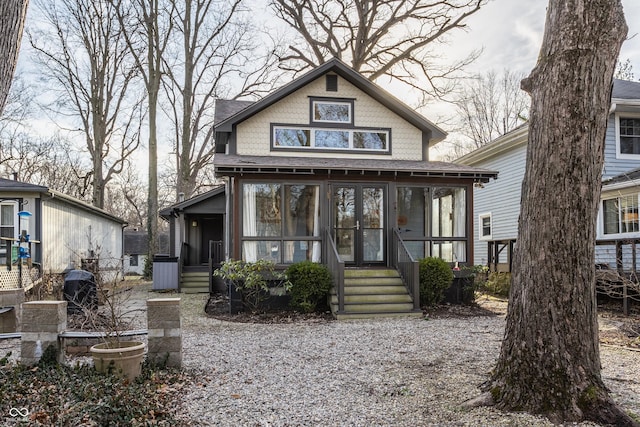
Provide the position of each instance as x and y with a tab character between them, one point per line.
80	291
165	272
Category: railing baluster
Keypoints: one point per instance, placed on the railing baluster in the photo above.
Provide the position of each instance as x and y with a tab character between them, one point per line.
336	266
409	268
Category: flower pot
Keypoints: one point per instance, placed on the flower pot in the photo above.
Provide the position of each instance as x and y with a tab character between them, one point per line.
123	358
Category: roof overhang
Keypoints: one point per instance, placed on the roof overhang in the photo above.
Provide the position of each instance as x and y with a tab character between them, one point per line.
232	165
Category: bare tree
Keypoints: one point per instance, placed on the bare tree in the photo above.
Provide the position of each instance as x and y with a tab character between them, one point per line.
393	38
12	15
549	361
147	26
126	198
490	106
624	70
84	51
217	47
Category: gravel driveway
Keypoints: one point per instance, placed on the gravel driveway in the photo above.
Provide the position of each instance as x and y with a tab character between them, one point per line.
391	372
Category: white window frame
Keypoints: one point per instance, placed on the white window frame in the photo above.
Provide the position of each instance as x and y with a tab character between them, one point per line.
481	217
601	218
619	153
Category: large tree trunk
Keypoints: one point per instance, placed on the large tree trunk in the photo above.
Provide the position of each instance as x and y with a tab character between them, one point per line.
549	362
12	16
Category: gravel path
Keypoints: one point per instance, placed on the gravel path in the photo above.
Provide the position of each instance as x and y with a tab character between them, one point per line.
391	372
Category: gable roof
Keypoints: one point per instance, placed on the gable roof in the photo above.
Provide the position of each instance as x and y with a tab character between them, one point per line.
13	186
343	70
625	89
180	206
137	242
226	108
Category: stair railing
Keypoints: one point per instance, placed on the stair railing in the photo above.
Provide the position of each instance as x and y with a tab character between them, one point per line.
407	266
336	266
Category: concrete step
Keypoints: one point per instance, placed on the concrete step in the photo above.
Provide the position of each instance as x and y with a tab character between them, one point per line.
195	289
376	307
354	316
370	272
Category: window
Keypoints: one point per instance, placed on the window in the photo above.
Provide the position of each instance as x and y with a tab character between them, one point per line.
485	227
432	221
331	139
331	112
281	222
629	136
8	226
133	260
621	215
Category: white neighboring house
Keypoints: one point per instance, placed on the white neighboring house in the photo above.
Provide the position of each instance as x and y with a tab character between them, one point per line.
497	203
136	250
63	232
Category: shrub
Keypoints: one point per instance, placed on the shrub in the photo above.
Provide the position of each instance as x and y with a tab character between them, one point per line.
310	285
435	277
251	280
498	283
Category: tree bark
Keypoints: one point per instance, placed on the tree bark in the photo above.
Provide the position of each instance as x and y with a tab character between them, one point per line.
549	362
12	16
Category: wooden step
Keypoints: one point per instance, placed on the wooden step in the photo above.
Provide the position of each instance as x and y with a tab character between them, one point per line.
373	293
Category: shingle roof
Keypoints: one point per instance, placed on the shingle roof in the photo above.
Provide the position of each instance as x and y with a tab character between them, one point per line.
226	108
229	164
13	185
137	242
625	89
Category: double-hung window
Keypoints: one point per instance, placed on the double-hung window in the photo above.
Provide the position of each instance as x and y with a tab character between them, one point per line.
621	215
629	136
485	226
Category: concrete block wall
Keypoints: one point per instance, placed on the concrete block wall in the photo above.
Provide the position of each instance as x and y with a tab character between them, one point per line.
10	320
165	335
42	322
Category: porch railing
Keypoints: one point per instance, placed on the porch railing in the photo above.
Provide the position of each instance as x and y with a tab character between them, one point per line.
336	266
216	256
407	266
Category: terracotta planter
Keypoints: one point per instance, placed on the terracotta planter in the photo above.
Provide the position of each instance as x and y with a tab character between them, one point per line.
123	358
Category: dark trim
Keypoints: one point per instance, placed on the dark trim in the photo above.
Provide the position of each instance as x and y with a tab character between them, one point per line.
341	69
38	230
273	147
328	100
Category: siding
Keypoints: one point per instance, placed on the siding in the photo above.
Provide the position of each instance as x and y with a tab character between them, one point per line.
253	135
70	234
614	166
500	198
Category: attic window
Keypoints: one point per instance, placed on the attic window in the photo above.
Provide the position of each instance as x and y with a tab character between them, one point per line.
332	83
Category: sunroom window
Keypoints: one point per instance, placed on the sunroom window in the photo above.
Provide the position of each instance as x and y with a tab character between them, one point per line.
432	221
331	139
281	222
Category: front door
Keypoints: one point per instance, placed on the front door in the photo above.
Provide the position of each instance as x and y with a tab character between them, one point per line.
358	223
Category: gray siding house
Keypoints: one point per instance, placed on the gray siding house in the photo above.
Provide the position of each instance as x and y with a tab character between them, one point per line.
57	230
497	203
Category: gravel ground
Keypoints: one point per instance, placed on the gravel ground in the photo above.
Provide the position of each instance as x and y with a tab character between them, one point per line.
391	372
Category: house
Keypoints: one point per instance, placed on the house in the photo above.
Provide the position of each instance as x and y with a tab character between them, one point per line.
53	231
334	169
136	250
497	203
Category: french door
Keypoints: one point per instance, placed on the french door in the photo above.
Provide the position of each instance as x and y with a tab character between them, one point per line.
358	215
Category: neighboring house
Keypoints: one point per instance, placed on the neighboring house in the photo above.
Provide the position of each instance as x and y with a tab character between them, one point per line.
63	232
331	168
497	203
136	250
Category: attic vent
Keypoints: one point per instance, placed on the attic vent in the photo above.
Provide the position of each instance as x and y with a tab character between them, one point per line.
332	83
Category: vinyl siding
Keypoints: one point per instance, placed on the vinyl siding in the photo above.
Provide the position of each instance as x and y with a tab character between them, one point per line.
253	134
613	165
70	234
500	198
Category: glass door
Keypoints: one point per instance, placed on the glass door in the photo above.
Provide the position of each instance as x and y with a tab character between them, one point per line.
358	223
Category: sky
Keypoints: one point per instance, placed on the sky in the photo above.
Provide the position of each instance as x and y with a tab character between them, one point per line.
510	34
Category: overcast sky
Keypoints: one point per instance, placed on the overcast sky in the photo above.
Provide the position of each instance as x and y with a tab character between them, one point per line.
511	33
